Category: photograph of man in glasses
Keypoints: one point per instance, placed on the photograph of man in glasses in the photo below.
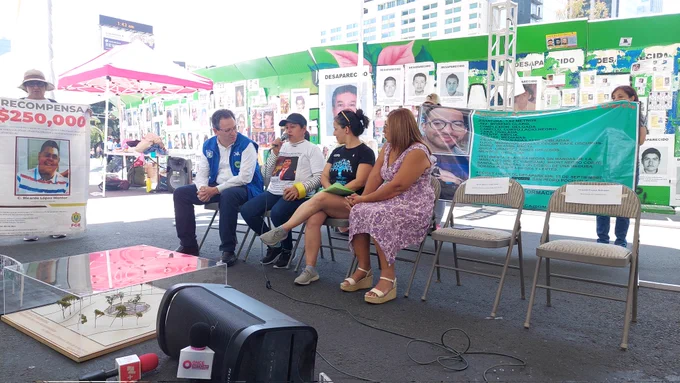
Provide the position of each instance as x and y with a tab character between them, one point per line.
446	130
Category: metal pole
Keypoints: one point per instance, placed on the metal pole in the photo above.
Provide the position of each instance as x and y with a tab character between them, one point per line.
50	50
106	133
360	60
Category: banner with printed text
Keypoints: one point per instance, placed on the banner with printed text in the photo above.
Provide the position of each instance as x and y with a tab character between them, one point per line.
45	165
543	151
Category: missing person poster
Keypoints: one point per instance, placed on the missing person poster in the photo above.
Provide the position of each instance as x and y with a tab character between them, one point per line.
299	102
419	82
452	83
656	160
389	85
45	165
341	89
543	151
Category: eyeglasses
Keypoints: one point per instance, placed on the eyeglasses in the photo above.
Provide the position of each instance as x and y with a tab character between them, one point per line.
35	83
440	124
232	130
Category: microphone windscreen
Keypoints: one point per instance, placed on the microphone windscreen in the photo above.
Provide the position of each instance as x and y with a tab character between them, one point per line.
149	362
199	335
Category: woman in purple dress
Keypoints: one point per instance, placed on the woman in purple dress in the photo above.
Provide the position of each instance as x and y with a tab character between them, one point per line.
395	208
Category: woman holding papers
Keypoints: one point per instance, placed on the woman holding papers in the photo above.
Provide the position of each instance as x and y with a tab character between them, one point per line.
345	173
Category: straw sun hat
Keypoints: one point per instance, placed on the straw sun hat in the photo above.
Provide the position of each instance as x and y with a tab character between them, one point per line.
35	75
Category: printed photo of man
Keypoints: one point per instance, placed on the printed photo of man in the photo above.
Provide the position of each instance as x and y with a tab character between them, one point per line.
651	161
285	168
300	105
390	87
419	83
446	130
452	83
45	178
343	97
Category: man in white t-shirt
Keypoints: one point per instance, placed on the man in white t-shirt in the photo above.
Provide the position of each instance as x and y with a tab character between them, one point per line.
293	171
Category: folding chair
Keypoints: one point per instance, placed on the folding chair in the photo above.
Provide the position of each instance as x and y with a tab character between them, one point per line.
437	192
267	215
329	222
481	237
591	252
215	206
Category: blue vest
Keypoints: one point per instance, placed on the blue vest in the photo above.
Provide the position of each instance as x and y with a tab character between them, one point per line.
212	153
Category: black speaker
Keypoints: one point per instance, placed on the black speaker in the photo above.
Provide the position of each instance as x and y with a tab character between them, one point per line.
252	341
179	172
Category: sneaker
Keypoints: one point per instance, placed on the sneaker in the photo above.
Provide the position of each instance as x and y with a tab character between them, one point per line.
31	238
274	236
307	277
58	236
282	263
272	254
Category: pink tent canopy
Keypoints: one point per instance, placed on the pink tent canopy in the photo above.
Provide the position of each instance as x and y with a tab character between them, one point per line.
133	69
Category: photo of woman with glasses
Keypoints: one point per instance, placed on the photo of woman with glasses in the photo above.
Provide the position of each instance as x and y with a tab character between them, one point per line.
446	130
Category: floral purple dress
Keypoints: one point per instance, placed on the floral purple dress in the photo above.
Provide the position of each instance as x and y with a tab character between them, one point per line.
401	221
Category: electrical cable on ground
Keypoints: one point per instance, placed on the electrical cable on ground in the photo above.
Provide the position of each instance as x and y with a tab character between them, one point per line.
452	353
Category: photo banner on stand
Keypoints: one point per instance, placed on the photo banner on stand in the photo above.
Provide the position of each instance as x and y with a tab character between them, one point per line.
543	151
46	167
338	89
390	85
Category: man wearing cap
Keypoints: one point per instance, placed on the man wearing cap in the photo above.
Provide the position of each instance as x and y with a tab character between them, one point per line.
297	165
228	174
36	85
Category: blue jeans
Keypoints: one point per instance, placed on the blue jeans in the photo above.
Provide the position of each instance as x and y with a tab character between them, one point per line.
230	201
281	211
620	230
622	224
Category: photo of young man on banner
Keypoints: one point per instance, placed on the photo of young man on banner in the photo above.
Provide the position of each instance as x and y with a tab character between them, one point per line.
42	166
451	171
446	130
339	90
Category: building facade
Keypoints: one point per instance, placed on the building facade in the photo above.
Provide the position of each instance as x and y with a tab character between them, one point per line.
633	8
392	20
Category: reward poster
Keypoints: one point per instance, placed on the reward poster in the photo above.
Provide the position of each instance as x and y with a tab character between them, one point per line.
340	89
45	163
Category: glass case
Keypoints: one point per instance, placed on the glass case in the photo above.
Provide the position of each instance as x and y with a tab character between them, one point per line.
88	305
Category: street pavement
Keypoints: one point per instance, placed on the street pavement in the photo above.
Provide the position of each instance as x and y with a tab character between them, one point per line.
576	339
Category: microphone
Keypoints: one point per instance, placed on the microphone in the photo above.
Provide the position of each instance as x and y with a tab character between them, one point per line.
196	361
145	363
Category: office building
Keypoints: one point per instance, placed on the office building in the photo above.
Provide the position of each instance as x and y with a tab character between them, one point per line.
634	8
529	11
393	20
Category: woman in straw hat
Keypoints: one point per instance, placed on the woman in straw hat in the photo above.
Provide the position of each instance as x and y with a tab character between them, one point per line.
36	85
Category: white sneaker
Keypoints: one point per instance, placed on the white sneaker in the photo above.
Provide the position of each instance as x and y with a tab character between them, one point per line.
306	277
31	238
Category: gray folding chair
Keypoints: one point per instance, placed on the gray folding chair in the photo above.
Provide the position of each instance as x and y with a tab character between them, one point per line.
481	237
590	252
437	192
329	223
215	206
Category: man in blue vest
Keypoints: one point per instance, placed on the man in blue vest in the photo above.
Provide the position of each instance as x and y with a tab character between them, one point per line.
228	173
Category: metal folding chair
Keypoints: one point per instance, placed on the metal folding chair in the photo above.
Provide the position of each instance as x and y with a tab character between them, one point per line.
482	237
590	252
215	206
437	192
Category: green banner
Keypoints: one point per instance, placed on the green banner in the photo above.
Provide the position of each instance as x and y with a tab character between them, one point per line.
545	150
